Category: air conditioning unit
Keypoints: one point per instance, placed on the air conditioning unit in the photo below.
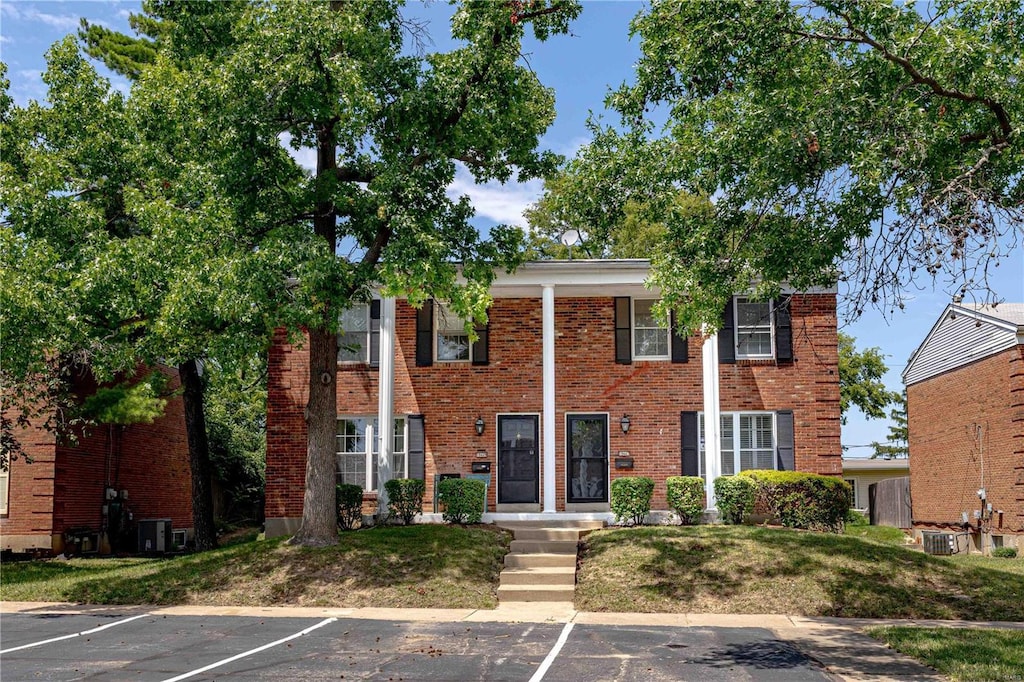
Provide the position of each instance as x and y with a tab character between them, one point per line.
942	544
155	535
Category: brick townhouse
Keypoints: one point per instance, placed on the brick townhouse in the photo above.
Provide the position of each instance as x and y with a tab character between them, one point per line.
965	416
86	494
572	383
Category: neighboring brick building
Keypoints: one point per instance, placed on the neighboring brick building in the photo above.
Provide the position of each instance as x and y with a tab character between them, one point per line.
965	415
610	361
73	495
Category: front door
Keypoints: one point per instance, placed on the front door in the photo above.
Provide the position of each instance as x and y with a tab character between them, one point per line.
518	459
586	452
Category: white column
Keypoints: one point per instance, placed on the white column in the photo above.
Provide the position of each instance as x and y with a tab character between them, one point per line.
385	400
548	441
712	418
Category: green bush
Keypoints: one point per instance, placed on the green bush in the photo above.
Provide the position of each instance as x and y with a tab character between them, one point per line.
463	500
685	497
856	518
405	498
802	500
1004	553
631	498
348	500
735	496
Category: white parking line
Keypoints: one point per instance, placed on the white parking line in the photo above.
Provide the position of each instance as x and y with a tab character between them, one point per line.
546	663
77	634
225	661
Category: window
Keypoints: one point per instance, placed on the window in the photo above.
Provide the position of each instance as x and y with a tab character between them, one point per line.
753	449
356	460
753	329
452	338
354	337
5	479
650	338
852	482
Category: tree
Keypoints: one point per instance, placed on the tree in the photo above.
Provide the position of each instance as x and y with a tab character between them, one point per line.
387	128
898	443
860	380
875	141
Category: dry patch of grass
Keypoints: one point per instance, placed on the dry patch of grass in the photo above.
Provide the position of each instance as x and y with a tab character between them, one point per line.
421	566
963	654
743	569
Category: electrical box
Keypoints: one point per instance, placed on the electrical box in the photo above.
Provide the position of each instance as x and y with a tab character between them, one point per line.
155	535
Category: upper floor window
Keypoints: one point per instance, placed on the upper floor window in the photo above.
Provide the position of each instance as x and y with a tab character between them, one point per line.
354	337
650	337
754	328
452	339
357	450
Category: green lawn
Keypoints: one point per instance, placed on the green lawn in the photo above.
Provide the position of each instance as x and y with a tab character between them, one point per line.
963	654
754	569
417	567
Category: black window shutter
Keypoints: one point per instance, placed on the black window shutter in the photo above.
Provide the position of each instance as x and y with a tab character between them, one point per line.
481	347
417	447
783	330
623	352
689	440
425	335
375	333
784	438
680	342
727	335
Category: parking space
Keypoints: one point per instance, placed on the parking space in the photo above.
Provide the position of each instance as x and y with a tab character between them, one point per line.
165	647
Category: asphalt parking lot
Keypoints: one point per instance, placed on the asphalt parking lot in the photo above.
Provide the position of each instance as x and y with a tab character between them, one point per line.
132	645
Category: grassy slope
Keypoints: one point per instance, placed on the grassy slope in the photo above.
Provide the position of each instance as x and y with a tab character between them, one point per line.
743	569
417	567
964	654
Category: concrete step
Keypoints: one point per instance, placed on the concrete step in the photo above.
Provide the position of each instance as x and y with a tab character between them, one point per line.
552	523
540	560
547	534
544	575
564	593
543	547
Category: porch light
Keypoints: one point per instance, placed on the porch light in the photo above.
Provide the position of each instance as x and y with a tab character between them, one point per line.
479	425
624	423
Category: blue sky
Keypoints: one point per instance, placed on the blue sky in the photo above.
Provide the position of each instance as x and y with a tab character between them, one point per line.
580	68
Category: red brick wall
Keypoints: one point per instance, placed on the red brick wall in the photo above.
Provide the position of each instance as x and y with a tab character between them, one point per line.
653	393
946	453
64	486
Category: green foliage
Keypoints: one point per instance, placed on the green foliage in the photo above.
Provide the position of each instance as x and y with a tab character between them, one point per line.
685	496
138	403
898	444
631	499
1005	552
405	497
349	505
802	500
860	380
734	496
463	500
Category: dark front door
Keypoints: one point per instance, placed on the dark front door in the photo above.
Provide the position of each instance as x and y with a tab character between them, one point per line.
518	459
586	449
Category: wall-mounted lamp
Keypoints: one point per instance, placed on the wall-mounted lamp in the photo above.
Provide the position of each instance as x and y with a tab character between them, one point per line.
624	423
479	425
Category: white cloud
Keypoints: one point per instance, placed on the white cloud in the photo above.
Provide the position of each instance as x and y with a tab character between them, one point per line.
62	22
492	200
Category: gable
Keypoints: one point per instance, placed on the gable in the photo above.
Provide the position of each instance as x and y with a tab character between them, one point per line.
960	337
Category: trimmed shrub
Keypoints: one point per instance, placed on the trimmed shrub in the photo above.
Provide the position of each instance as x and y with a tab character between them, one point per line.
735	496
463	500
631	498
348	500
801	500
685	497
405	498
1004	553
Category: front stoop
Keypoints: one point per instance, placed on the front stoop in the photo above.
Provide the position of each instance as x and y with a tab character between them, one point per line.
541	566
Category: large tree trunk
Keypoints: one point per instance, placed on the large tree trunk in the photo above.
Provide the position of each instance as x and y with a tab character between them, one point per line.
198	456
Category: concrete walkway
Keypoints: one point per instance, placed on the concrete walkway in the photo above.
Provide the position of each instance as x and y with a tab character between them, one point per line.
836	643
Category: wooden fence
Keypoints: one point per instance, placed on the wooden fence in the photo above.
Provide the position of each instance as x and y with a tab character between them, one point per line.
889	502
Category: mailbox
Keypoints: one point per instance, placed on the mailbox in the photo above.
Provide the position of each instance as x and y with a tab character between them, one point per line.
481	467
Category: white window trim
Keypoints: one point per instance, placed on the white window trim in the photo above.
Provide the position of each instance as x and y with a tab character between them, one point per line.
5	489
366	340
853	484
737	329
632	334
736	450
370	436
442	312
